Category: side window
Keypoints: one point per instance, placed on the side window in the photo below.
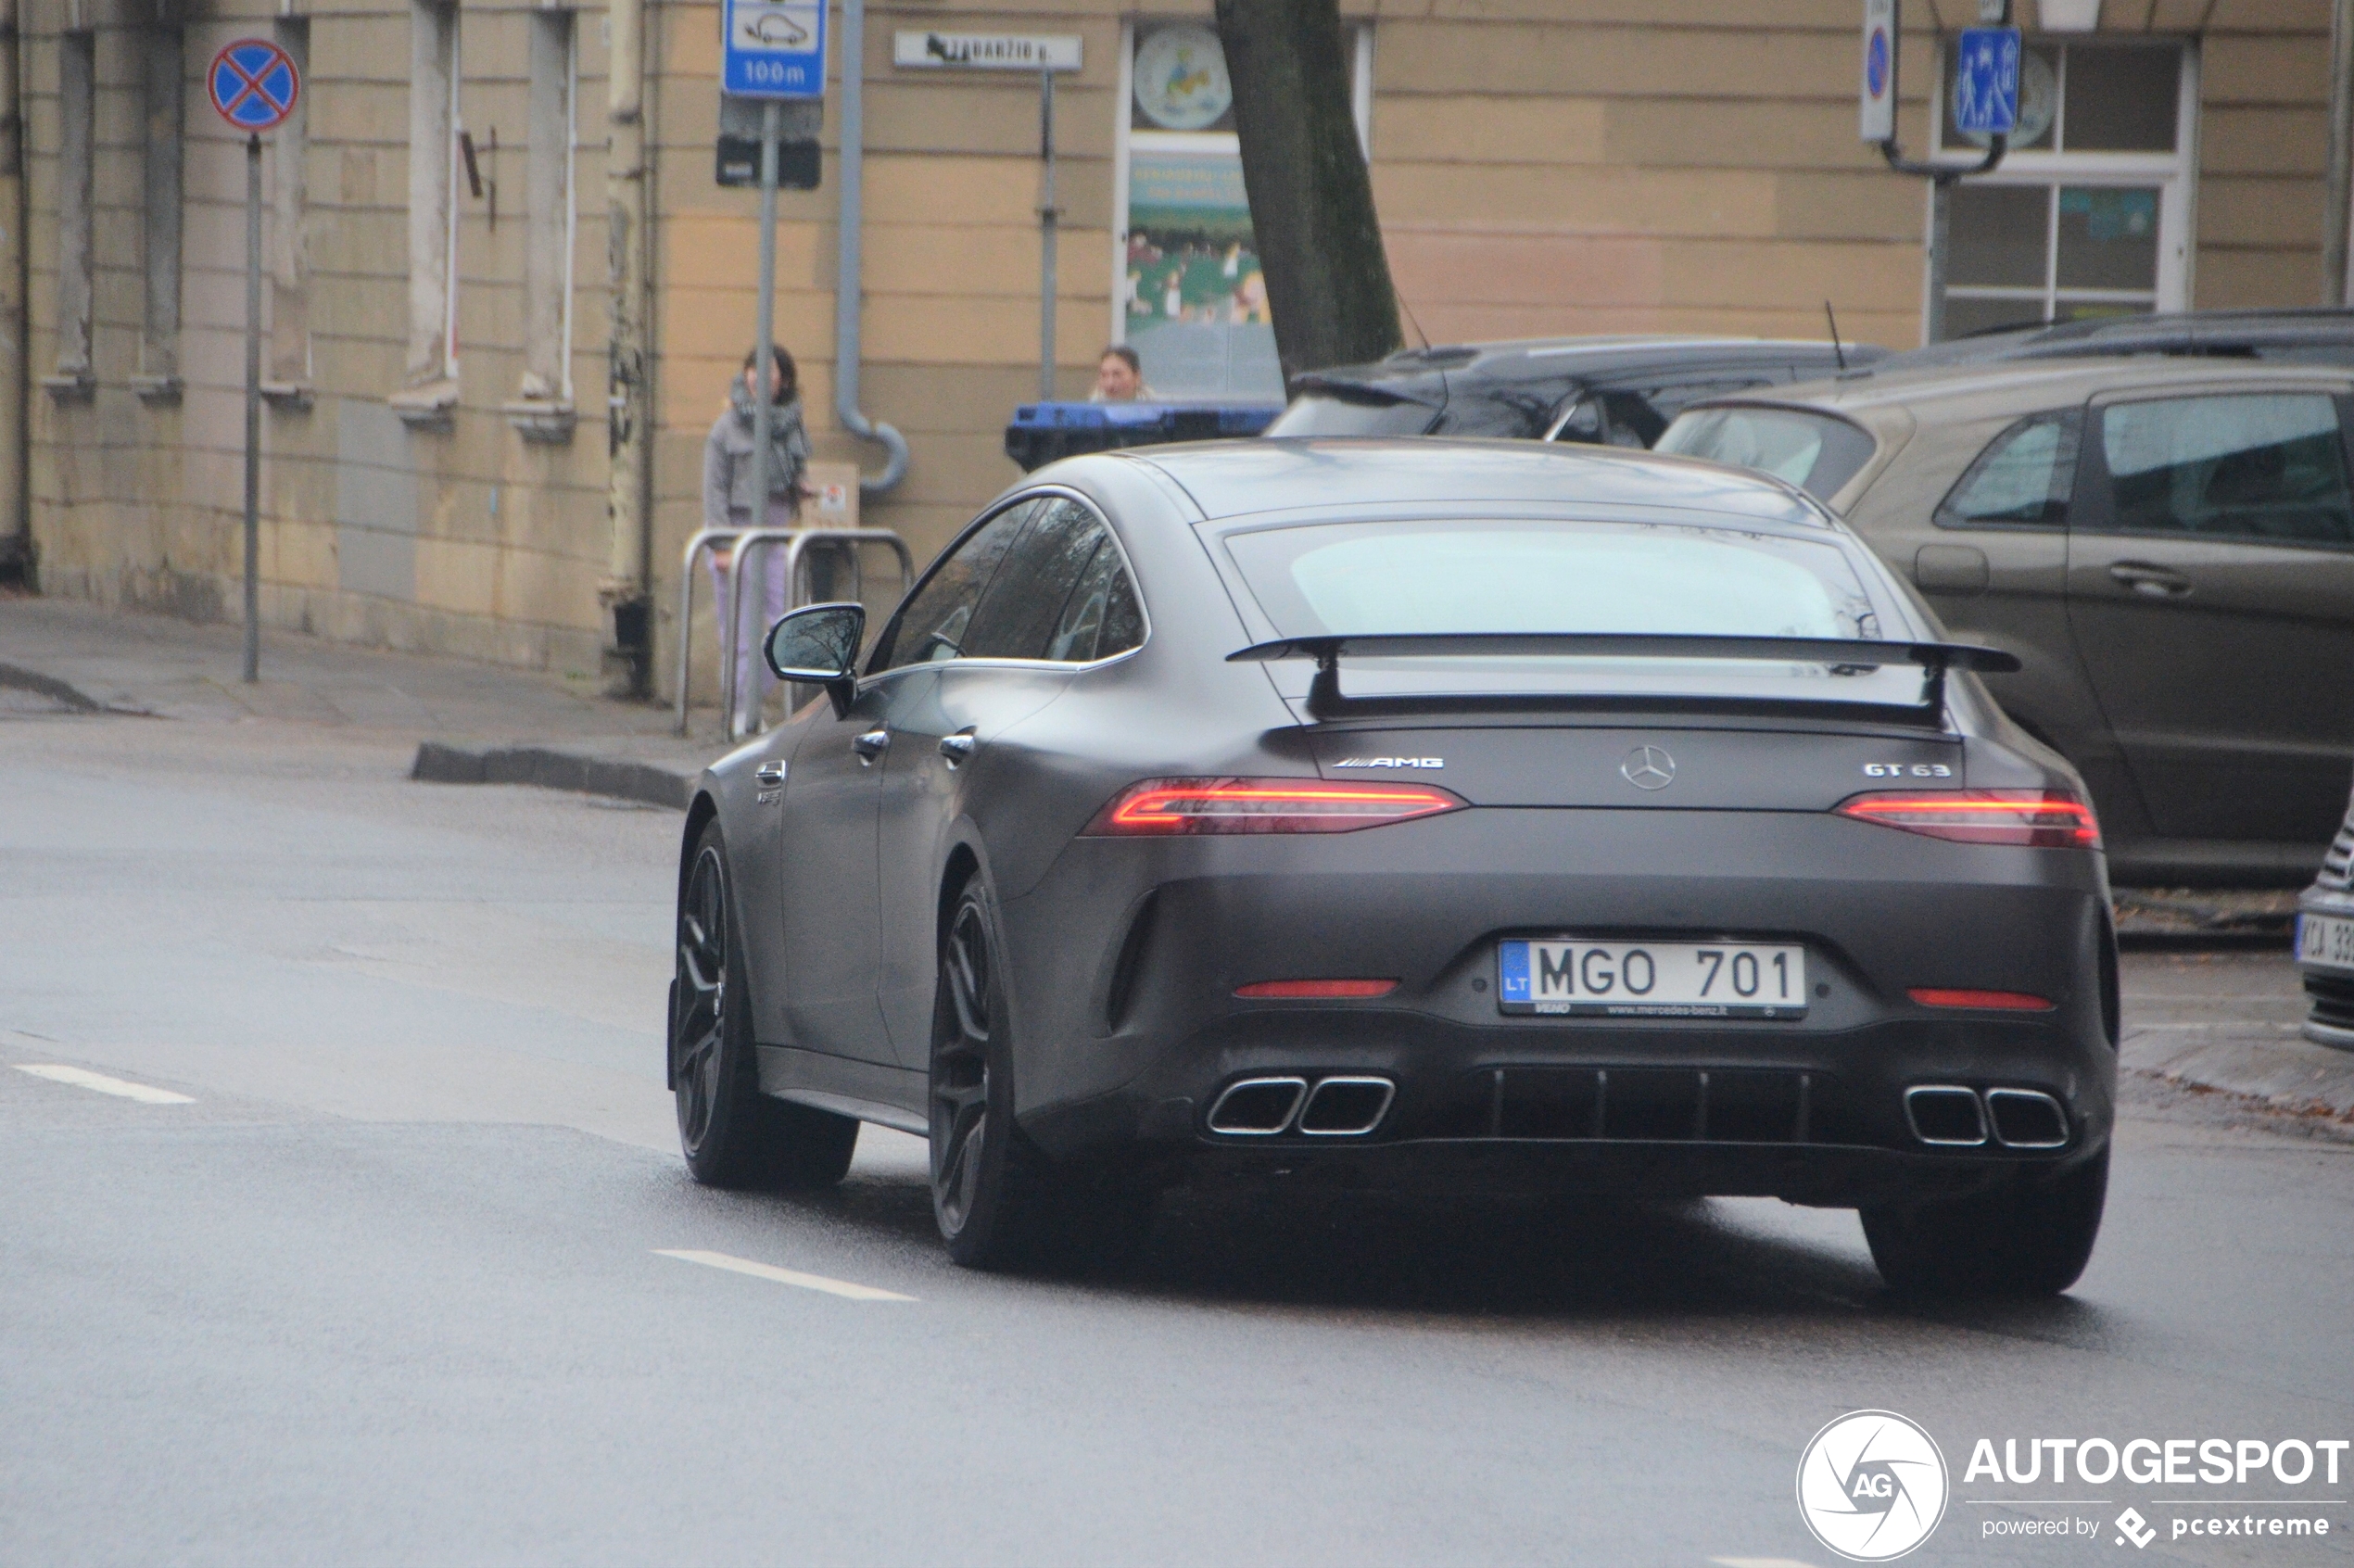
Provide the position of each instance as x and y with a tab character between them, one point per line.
1640	415
932	623
2263	466
1580	420
1017	613
1101	617
2024	476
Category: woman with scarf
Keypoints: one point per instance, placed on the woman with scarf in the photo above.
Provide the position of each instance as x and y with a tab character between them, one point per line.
728	503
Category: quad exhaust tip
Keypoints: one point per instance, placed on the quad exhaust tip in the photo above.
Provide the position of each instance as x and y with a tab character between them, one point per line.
1257	1107
1951	1116
1336	1108
1346	1108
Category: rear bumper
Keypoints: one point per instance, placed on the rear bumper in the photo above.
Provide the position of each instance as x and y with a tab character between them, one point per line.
1127	957
2331	1020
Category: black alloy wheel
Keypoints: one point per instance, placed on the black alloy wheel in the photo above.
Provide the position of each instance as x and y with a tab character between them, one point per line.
732	1134
999	1201
961	1028
699	1012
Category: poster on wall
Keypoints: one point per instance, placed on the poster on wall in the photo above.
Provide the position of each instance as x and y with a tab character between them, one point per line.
1194	296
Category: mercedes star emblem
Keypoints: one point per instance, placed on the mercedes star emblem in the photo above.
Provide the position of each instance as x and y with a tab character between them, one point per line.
1649	767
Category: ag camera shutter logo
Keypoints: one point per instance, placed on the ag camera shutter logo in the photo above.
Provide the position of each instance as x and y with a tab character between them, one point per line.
1872	1485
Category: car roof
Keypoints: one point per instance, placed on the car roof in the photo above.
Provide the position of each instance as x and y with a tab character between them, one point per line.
1534	359
1239	478
2216	333
2021	385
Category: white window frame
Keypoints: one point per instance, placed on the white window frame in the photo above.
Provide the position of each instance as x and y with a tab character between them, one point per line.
1360	96
2175	175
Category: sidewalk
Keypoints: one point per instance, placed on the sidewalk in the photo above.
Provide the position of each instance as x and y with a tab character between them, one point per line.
2220	1020
473	722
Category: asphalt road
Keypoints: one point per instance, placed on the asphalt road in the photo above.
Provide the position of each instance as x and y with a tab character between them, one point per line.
389	1279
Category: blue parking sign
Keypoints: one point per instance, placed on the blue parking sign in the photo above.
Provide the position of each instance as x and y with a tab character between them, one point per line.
773	48
1986	82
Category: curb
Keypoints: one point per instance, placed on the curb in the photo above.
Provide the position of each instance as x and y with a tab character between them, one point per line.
646	783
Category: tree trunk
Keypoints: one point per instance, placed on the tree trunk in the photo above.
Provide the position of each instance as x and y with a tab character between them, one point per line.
1312	197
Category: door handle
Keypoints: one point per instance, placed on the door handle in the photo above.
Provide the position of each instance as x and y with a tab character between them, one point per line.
872	744
959	747
2152	582
769	774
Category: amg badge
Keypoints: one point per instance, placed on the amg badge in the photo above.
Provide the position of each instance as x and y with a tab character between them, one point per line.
1391	762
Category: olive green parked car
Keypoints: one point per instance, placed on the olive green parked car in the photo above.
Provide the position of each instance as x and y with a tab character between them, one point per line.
2167	544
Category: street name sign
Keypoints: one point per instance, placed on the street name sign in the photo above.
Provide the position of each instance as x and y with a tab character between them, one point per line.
1877	122
1986	82
253	84
773	48
986	51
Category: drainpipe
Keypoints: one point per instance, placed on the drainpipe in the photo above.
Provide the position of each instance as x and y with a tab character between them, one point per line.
2337	206
16	510
629	355
849	284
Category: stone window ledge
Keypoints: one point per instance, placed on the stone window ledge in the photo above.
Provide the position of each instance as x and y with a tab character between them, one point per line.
288	397
542	420
430	407
157	390
70	386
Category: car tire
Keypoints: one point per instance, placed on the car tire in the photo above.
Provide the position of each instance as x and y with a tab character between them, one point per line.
999	1201
731	1134
2030	1241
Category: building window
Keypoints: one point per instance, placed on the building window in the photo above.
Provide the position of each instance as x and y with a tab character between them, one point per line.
2089	214
433	231
289	146
547	204
1186	288
163	155
77	104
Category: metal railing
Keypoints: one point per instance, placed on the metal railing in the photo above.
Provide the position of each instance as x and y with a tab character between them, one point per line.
741	543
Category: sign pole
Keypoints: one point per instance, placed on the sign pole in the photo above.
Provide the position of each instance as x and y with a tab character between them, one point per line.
1047	219
253	409
254	85
763	405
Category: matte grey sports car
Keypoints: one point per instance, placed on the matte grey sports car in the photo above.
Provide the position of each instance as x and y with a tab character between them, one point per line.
1449	817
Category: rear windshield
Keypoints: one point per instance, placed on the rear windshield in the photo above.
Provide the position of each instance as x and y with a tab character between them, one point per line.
1814	452
1327	413
1514	575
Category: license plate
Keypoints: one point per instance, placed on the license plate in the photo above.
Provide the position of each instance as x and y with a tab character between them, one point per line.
1653	980
2327	941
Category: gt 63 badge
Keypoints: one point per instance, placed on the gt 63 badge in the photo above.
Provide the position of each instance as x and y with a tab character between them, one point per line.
1872	1485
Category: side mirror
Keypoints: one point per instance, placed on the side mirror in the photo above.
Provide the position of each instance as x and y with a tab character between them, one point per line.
818	644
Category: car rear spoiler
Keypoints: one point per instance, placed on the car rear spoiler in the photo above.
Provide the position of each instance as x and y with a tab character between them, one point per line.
1325	700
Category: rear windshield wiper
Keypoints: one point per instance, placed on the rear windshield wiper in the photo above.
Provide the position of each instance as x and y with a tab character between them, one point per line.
1325	699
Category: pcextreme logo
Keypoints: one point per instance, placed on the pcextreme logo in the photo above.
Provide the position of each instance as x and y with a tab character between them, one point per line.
1872	1485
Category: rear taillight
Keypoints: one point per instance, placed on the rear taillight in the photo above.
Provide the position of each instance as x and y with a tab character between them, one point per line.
1265	805
2038	818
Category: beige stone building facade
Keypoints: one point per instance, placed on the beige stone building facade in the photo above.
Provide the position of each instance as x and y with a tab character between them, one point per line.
453	462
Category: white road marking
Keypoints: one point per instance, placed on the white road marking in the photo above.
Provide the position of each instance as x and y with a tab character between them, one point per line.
1759	1562
82	1077
784	1276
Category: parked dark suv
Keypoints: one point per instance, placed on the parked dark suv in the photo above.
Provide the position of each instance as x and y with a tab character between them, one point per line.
1603	391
